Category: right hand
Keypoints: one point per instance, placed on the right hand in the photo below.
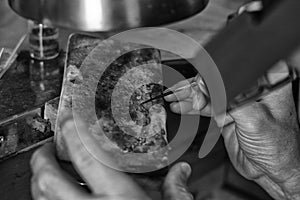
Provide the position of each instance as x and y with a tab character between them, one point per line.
262	139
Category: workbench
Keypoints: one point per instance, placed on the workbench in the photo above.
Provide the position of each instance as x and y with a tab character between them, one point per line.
23	96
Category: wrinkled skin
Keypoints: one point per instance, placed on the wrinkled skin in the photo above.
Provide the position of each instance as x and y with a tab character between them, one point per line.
262	139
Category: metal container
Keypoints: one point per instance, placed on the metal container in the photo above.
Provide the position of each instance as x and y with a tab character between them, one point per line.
107	15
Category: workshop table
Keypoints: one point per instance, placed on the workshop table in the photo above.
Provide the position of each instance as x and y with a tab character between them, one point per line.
21	94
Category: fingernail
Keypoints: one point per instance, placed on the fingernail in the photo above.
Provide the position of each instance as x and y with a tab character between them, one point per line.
186	168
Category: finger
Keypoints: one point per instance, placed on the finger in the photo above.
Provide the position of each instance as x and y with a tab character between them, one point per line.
48	178
187	107
179	95
180	84
277	105
183	94
175	184
199	100
281	99
206	111
182	107
101	179
195	94
232	144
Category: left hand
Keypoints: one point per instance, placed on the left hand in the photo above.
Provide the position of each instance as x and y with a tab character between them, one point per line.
50	182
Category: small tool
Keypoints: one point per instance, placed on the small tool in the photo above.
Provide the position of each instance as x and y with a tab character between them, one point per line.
170	92
192	84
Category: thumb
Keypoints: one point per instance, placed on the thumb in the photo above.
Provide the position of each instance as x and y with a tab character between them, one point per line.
175	184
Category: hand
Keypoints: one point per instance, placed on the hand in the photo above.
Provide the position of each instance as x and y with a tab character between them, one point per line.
50	182
262	139
192	100
175	184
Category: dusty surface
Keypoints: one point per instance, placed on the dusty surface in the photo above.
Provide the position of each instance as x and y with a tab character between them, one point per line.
147	129
15	173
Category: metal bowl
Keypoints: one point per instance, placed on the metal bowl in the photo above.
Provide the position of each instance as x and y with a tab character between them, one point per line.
107	15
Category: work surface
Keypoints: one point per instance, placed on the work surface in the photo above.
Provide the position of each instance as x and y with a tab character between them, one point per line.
15	172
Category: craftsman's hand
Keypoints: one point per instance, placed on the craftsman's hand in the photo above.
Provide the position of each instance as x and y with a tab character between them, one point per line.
192	100
262	139
175	184
50	182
